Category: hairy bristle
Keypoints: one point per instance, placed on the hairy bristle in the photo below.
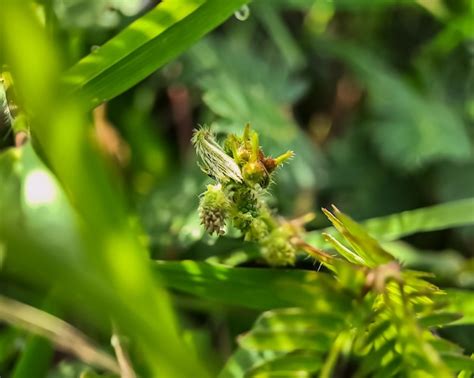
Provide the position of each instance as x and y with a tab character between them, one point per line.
214	161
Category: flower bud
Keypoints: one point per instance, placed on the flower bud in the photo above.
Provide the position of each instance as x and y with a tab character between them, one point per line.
255	173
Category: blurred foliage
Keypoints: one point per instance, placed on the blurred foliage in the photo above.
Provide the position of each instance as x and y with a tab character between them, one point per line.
376	98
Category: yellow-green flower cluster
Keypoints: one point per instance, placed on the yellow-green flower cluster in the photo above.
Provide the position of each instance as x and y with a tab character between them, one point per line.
242	173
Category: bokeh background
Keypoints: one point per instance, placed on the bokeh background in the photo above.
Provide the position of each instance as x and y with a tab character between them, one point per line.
376	98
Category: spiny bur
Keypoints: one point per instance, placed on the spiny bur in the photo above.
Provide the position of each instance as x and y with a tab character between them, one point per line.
213	209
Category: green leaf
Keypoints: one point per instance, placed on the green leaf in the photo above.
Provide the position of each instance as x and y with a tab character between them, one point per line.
445	264
457	361
144	46
344	251
278	31
366	247
252	287
243	360
302	363
461	301
461	335
433	218
466	373
390	369
287	340
294	329
10	189
281	374
296	318
442	345
38	353
439	319
34	359
392	227
375	332
9	343
373	358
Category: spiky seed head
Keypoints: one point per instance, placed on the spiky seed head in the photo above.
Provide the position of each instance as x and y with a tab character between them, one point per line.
278	250
213	209
257	231
214	161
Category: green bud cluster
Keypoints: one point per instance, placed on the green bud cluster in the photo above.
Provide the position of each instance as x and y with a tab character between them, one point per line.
277	249
246	206
243	173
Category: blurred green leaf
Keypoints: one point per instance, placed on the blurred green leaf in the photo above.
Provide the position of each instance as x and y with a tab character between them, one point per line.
439	319
10	169
458	362
410	129
37	354
376	355
10	342
433	218
48	326
457	30
251	287
278	31
297	318
459	335
144	46
395	226
287	340
449	266
111	258
35	358
293	329
297	364
243	360
461	301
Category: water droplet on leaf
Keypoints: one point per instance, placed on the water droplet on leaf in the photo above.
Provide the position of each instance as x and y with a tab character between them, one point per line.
243	13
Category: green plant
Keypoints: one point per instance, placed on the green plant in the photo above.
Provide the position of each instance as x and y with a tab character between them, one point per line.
370	309
104	268
243	173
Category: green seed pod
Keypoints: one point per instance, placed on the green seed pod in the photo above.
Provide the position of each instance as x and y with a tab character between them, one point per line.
213	209
242	221
245	200
277	249
258	230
